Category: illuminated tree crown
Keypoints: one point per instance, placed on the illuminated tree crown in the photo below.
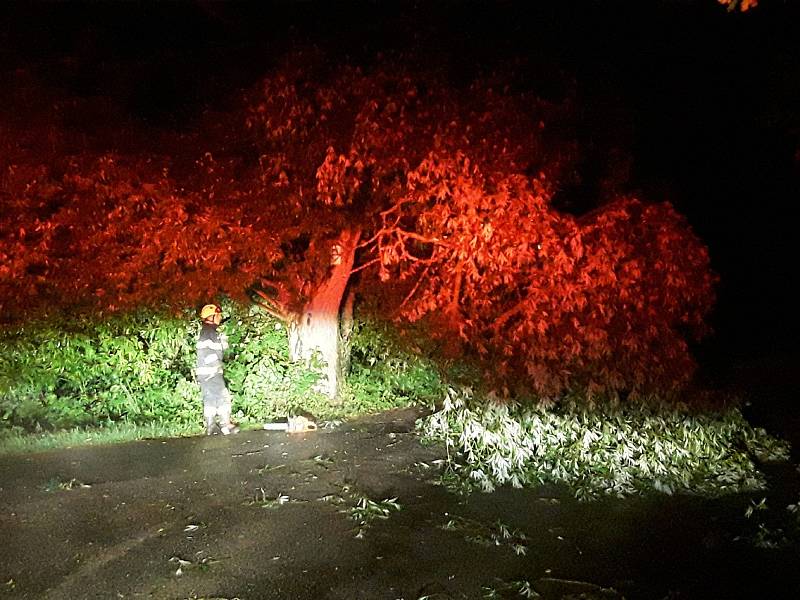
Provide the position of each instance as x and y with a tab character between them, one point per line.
331	177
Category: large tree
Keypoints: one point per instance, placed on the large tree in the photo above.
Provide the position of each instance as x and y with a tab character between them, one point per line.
442	192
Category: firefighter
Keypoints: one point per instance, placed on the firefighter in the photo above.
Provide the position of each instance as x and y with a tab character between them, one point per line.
216	398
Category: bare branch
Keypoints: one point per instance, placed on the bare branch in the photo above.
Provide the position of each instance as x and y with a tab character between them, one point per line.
367	264
414	289
500	321
271	307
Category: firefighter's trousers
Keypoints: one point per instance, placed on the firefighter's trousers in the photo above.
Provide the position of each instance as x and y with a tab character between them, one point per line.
216	401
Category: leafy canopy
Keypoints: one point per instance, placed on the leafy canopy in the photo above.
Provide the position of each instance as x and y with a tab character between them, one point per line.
447	189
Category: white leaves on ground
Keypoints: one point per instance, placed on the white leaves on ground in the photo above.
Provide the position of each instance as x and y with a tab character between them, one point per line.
496	534
264	500
366	511
201	563
521	588
612	449
56	483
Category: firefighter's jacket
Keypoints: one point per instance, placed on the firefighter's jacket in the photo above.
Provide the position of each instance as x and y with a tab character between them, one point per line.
210	347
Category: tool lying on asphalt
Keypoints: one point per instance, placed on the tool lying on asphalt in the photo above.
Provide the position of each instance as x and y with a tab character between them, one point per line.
298	424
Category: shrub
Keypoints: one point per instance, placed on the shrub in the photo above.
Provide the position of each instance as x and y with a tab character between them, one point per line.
385	372
61	374
264	383
138	368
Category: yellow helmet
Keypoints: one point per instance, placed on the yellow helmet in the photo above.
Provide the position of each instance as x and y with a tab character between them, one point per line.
209	310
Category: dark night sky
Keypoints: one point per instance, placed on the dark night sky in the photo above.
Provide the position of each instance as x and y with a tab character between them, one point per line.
703	101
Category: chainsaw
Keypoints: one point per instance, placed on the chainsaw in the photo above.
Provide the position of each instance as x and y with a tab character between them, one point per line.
298	424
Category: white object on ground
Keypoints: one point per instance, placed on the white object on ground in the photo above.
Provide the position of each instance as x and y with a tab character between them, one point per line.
297	424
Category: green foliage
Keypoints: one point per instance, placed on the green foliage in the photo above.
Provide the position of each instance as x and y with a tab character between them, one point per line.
366	511
264	384
384	373
56	483
63	373
606	450
496	534
387	372
16	440
138	369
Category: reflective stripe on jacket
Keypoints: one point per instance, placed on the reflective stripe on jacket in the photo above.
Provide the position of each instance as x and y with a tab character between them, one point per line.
210	346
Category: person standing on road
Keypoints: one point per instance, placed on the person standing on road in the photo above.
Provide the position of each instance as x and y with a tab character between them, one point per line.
216	398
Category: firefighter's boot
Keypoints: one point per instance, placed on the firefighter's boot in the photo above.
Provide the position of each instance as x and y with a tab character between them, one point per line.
226	425
229	428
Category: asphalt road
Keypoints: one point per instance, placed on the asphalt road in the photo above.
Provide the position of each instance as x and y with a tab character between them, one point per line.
266	515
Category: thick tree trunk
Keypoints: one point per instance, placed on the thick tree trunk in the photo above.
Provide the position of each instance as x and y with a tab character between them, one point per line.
316	331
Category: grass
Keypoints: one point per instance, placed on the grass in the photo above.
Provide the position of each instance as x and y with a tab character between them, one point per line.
20	443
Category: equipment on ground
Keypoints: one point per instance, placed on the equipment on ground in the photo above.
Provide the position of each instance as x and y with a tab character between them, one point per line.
298	424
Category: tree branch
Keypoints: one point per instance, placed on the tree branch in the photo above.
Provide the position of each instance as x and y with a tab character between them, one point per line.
367	264
414	289
270	306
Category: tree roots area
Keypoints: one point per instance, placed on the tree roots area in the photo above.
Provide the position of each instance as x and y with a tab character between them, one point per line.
355	511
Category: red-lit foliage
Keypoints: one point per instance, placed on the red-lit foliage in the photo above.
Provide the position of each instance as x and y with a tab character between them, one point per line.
444	193
743	5
605	301
110	234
